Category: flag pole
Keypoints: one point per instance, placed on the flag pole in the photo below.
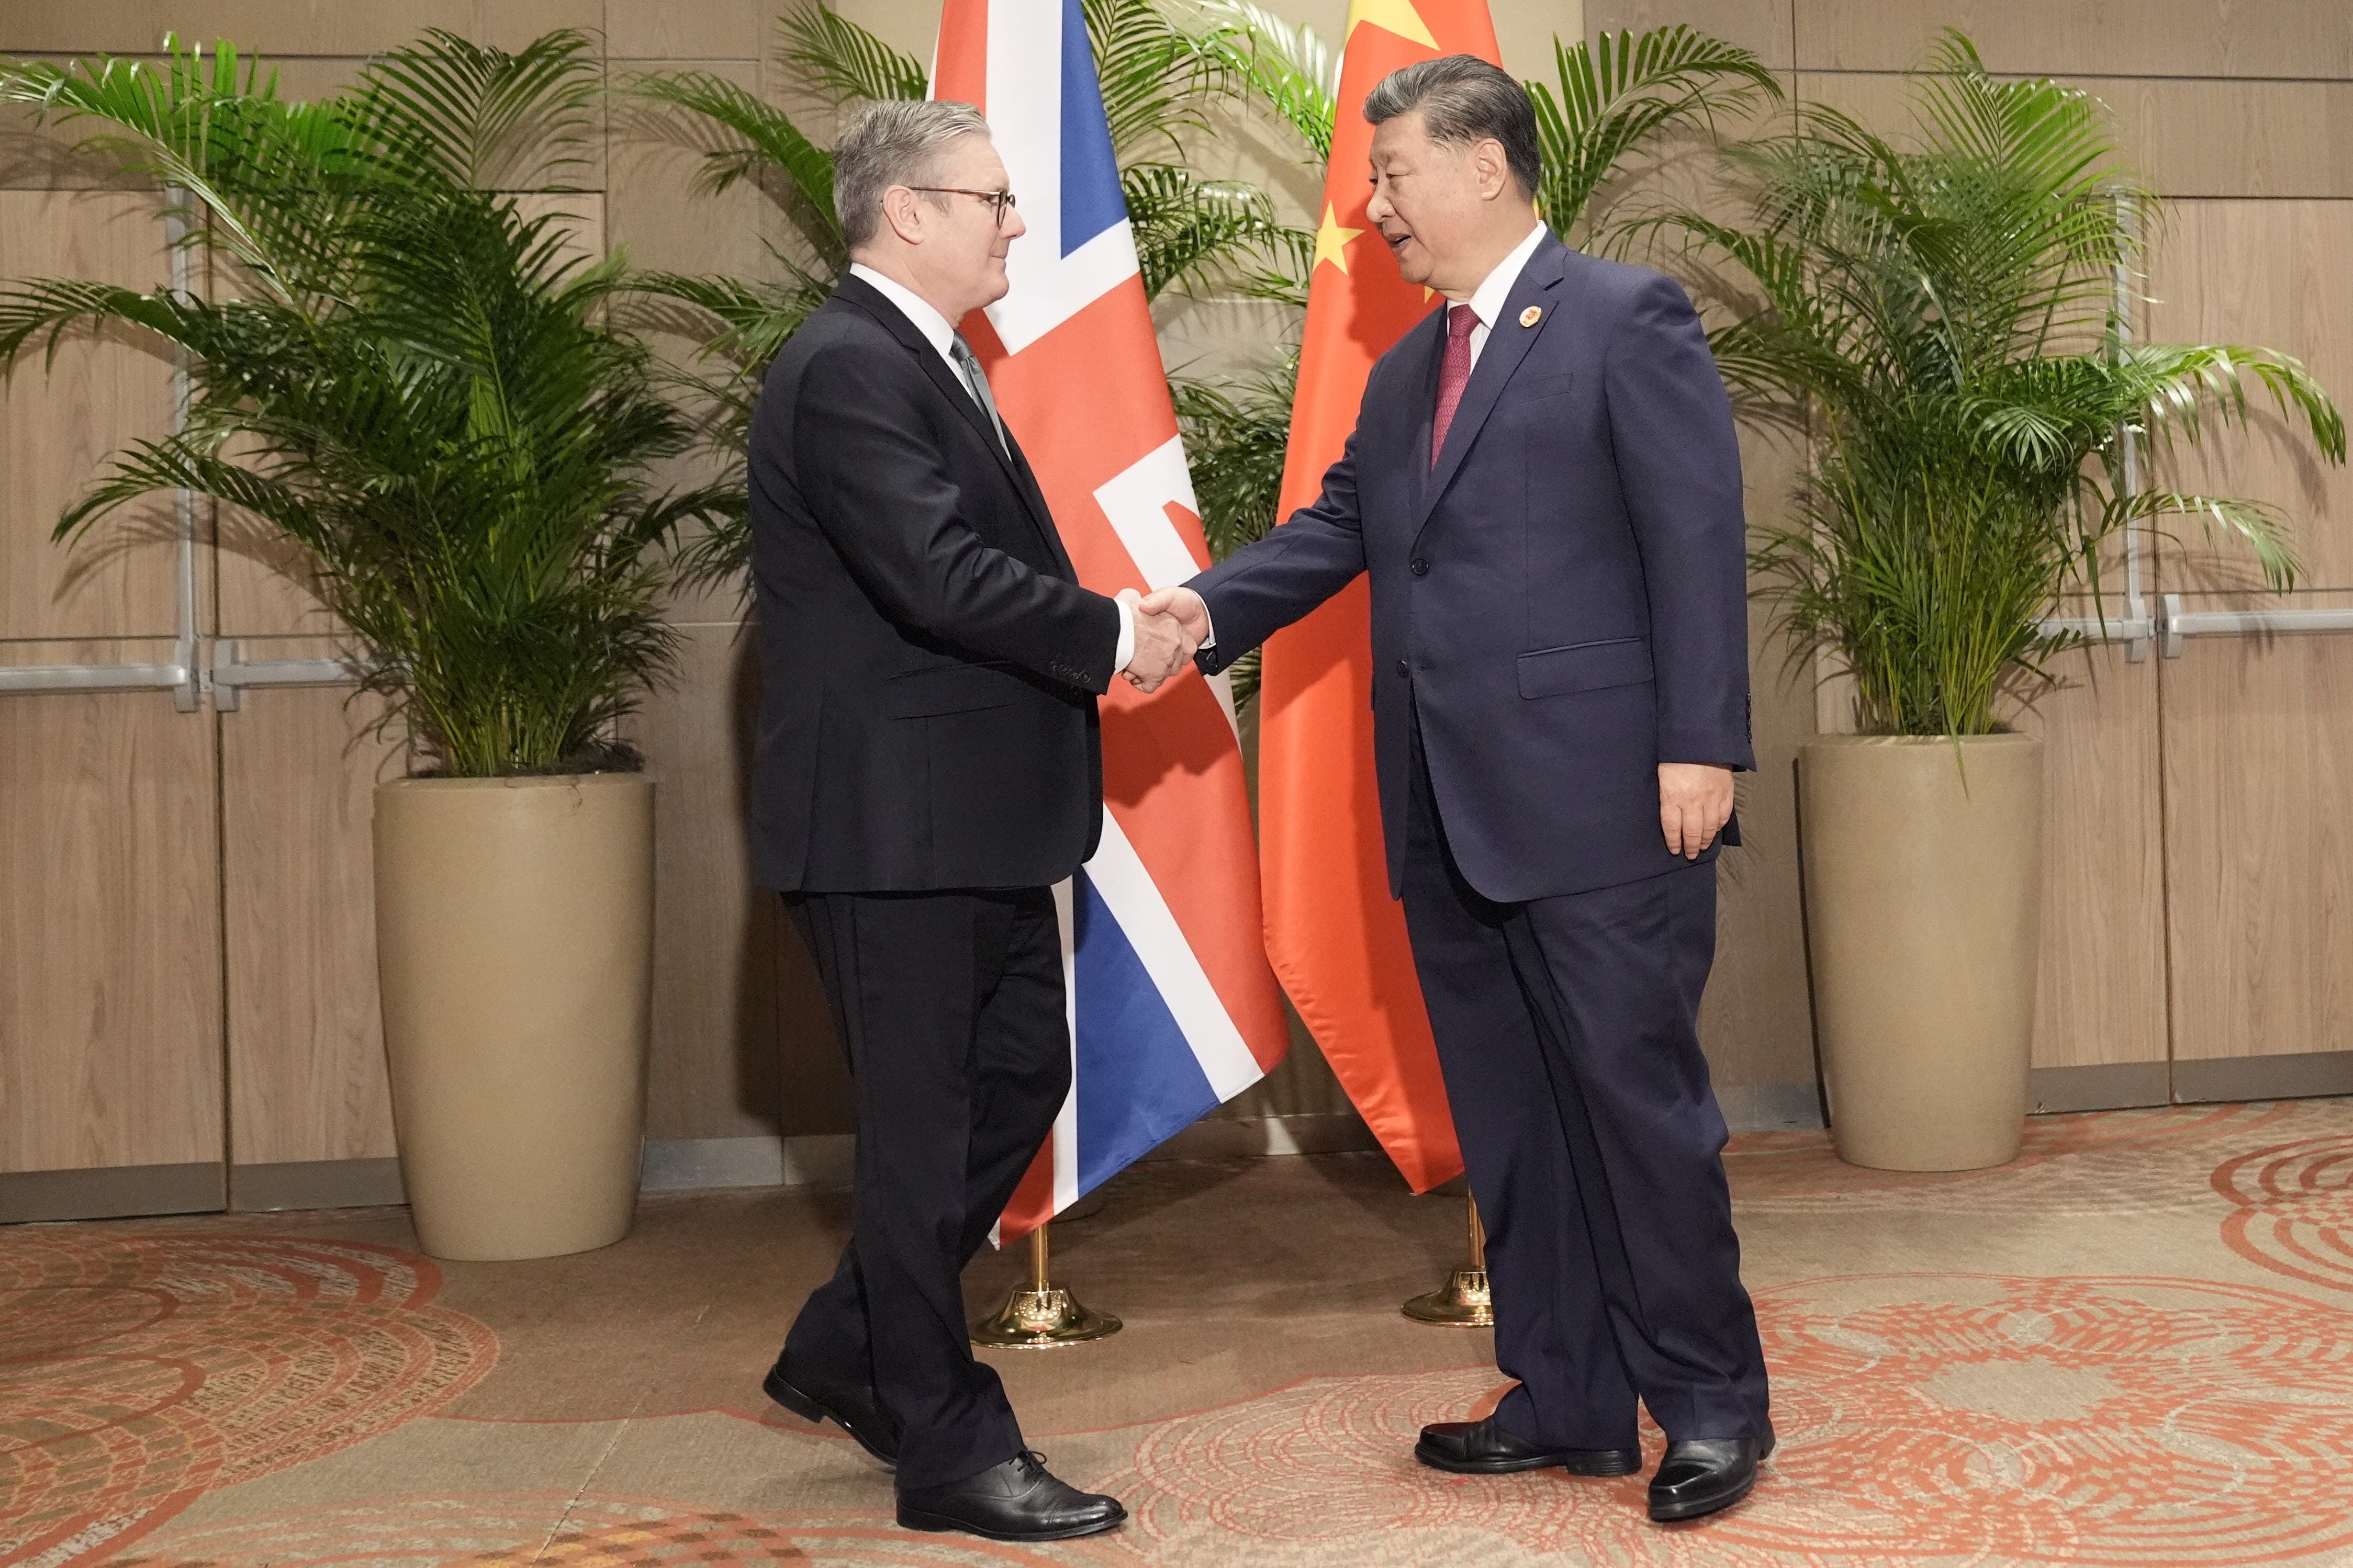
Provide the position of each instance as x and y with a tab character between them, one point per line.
1041	1315
1463	1302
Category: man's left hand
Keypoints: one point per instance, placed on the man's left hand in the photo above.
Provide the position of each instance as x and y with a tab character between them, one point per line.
1694	803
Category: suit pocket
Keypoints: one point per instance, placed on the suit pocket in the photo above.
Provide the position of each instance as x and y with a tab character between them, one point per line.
1584	667
948	689
1542	385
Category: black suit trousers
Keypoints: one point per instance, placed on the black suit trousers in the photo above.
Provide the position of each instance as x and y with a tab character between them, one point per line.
951	1008
1565	1032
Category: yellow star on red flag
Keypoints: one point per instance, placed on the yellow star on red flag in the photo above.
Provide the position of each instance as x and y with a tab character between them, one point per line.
1397	16
1332	241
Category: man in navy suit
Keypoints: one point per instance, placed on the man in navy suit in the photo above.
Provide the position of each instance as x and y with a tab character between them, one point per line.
1544	487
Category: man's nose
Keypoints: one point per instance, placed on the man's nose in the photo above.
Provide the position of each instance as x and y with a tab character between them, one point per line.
1015	226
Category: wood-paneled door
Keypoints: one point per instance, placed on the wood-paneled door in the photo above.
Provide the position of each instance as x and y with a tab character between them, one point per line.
112	1036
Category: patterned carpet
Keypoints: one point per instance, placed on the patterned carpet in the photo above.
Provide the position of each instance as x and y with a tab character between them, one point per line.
2132	1347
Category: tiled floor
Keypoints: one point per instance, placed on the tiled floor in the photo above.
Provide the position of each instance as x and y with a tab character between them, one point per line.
2135	1346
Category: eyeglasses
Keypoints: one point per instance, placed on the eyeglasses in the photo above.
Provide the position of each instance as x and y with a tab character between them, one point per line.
1001	201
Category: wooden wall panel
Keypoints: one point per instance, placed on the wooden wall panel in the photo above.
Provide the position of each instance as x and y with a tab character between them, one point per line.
2100	996
1764	25
711	30
716	1058
2189	137
299	772
281	26
1756	1023
110	926
57	429
658	218
2268	273
2259	744
2149	38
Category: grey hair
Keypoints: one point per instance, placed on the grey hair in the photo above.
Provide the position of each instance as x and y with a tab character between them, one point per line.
896	143
1462	100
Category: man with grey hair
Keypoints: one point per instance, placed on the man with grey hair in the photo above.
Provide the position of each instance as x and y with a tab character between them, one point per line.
1544	487
927	767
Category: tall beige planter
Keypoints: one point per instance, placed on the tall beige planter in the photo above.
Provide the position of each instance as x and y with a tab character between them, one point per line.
514	939
1924	881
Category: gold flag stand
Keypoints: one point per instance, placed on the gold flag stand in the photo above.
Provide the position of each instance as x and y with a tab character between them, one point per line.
1462	1302
1042	1315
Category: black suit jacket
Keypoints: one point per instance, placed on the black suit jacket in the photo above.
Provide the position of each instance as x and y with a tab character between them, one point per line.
929	664
1561	603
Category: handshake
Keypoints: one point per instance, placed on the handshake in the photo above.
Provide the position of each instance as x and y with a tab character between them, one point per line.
1170	623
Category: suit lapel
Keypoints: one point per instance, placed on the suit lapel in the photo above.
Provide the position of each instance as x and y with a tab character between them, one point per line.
1507	345
911	337
1431	347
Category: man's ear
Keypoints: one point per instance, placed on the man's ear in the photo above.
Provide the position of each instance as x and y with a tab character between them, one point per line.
1493	169
902	210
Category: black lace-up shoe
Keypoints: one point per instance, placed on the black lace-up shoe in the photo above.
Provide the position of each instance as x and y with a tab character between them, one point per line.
1706	1474
852	1409
1483	1448
1017	1500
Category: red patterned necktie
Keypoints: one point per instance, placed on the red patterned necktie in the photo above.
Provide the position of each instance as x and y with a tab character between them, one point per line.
1453	371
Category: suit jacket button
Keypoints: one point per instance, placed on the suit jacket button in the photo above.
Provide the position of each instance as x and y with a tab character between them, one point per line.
1401	669
1420	567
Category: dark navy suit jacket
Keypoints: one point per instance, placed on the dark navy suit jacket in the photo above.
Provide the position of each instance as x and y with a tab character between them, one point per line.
928	662
1561	603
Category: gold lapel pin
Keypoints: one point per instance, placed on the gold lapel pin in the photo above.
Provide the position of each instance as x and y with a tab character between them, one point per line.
1530	316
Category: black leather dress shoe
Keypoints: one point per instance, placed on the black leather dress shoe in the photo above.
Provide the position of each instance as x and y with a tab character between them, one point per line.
1017	1500
1483	1448
853	1410
1705	1474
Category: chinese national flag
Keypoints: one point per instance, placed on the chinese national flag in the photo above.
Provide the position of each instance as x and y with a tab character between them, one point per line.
1336	938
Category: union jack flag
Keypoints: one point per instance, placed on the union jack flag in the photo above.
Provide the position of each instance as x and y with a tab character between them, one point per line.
1172	1007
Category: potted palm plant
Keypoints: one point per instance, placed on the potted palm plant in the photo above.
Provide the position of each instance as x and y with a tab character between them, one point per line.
406	374
1942	317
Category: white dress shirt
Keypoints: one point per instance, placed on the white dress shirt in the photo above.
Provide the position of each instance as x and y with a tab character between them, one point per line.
940	334
1486	302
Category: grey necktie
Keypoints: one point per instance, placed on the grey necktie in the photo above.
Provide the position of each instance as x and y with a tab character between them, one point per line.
977	385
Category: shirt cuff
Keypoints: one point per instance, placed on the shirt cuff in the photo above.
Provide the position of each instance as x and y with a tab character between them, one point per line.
1123	654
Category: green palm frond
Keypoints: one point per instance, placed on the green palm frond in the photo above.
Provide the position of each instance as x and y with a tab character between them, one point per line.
1237	434
486	119
1943	316
1157	80
426	392
1622	93
49	309
271	176
1288	68
1192	234
841	61
762	137
755	318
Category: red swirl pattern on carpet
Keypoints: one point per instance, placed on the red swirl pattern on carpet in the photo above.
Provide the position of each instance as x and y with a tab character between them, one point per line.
1801	1169
137	1373
2293	1209
564	1531
2134	1422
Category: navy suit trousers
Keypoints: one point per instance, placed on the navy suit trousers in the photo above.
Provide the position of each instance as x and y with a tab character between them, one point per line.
951	1008
1566	1031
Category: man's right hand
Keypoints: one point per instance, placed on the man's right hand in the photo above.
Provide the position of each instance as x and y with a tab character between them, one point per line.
1190	611
1163	647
